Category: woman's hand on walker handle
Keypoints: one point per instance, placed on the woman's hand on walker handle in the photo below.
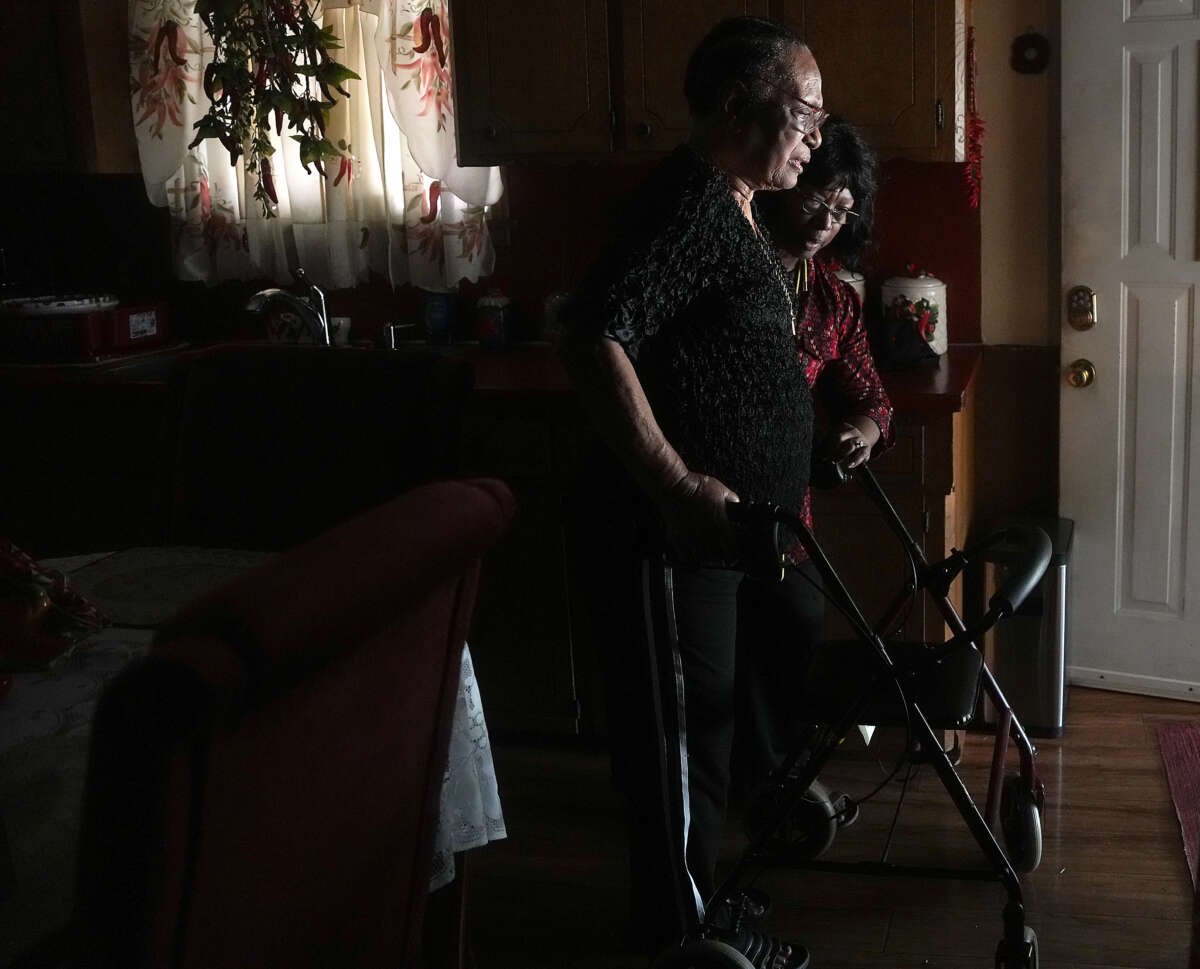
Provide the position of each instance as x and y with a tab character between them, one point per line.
853	441
698	530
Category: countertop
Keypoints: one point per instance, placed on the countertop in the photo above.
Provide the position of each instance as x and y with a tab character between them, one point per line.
928	390
937	388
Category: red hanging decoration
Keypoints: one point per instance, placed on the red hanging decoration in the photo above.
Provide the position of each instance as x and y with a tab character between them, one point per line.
435	193
973	173
431	31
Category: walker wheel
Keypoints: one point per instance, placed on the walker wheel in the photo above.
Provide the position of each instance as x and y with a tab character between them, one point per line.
703	954
1025	956
811	827
1021	823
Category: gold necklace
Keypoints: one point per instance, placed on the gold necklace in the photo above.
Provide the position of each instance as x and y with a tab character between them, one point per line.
777	272
802	271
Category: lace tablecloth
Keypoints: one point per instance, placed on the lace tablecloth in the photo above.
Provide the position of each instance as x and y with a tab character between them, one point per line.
470	813
45	727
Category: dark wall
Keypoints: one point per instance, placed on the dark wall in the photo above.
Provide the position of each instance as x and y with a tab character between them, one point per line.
558	217
74	232
1016	434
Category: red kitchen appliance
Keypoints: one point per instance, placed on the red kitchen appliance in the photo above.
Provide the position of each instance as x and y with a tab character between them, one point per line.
77	328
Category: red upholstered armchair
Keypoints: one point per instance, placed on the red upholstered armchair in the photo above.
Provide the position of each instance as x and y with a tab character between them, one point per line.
263	788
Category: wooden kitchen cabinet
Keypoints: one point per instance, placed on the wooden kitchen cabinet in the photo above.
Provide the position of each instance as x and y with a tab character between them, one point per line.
575	78
37	132
65	88
851	531
896	68
521	637
929	476
589	78
82	468
531	79
657	38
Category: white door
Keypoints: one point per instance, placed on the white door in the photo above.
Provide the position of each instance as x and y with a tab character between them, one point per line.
1130	442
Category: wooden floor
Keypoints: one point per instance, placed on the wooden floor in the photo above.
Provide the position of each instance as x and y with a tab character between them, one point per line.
1112	889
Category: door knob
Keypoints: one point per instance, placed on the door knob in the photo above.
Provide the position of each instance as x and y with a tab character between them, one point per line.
1081	373
1081	307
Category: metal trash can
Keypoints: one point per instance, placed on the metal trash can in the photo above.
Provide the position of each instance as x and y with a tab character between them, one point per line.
1027	651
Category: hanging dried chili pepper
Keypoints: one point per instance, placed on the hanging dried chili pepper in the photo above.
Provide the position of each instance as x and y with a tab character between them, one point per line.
435	192
160	39
266	178
426	32
232	146
170	33
438	43
212	87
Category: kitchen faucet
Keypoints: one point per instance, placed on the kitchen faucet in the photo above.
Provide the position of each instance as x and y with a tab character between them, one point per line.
305	300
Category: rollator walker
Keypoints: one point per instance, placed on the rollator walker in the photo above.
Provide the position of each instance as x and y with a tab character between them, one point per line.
878	680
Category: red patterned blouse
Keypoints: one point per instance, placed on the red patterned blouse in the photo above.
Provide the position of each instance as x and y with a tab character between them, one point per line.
832	349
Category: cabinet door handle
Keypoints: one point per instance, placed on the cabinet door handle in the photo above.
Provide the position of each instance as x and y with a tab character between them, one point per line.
644	130
490	132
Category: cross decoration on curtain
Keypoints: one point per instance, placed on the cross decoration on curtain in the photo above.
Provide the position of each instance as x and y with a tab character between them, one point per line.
395	202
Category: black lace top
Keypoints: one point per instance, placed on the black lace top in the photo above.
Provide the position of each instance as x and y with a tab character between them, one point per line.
700	305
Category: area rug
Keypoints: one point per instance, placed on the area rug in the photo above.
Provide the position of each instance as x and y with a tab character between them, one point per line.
1179	743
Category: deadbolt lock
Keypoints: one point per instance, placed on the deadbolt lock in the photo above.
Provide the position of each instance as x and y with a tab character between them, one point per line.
1081	373
1081	307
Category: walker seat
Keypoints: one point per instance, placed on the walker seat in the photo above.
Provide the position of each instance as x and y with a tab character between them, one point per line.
945	684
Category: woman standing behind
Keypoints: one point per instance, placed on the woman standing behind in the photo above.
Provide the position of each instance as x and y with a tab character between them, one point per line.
821	224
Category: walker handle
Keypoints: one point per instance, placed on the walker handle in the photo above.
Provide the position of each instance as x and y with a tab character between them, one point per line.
1031	558
757	526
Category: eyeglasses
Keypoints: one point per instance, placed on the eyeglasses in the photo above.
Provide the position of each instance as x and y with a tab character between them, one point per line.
807	118
813	204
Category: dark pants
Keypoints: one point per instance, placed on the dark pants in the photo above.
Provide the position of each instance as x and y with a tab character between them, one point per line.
742	651
743	648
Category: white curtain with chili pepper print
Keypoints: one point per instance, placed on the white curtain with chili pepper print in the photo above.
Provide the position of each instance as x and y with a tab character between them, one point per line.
395	203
